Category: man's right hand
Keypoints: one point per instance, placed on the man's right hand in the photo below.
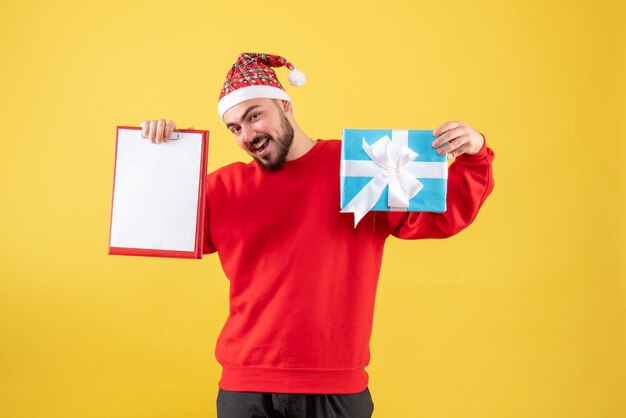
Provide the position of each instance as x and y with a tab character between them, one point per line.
157	131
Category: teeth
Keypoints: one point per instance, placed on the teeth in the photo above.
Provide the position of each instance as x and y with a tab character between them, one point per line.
260	144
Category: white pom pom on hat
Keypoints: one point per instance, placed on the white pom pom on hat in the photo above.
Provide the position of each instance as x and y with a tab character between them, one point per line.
297	78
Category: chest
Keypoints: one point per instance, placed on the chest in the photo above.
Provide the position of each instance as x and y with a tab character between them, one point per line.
271	208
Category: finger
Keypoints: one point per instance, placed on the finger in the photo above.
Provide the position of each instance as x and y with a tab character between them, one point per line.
446	127
460	150
152	132
450	135
169	128
145	127
452	145
160	130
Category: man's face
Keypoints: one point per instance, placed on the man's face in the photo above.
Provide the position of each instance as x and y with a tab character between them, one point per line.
262	130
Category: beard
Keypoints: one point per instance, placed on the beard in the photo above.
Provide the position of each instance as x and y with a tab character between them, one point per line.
283	143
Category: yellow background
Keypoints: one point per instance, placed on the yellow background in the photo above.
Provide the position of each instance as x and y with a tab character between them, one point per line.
521	315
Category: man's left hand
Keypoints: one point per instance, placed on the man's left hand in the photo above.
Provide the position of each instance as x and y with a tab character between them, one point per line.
461	139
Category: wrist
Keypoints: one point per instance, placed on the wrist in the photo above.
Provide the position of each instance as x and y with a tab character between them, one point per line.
480	153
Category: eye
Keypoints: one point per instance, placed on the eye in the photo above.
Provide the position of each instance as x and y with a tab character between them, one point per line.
255	115
235	129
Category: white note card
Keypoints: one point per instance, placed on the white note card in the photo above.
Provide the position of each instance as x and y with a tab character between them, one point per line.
156	192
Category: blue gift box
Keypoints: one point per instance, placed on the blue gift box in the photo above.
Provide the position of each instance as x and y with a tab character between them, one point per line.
375	162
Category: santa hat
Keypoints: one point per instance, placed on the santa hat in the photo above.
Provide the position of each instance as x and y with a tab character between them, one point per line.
252	77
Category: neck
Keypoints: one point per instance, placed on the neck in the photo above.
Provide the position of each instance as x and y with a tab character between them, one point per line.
301	144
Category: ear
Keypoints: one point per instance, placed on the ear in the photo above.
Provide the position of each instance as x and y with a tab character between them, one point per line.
285	105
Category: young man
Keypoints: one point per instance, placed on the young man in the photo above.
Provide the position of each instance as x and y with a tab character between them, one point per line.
302	277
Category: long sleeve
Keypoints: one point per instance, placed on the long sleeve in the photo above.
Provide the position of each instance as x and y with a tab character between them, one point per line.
470	181
207	241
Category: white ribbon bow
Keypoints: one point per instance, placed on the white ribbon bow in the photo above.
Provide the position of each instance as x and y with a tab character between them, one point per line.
392	165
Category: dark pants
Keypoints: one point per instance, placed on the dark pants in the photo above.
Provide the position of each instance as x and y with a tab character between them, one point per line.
282	405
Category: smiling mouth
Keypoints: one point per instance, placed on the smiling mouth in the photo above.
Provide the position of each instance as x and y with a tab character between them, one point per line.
259	145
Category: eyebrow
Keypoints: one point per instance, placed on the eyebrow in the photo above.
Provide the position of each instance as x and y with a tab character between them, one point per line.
248	110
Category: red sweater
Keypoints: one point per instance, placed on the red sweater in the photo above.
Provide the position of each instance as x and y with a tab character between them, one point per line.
302	278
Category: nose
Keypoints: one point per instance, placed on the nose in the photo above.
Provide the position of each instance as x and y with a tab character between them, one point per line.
247	134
